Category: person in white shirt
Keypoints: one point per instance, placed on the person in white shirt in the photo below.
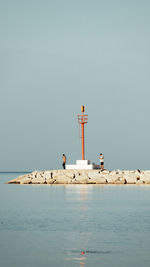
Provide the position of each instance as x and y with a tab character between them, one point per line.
101	157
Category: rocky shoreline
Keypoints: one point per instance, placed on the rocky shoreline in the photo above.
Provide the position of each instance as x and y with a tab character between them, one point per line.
84	177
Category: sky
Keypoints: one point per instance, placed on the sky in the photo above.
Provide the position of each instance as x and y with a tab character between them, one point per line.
58	55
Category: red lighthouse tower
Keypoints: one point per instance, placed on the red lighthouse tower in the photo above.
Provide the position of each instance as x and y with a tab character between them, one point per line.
82	119
82	164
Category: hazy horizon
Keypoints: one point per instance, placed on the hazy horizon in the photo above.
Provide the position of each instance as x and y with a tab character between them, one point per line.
59	55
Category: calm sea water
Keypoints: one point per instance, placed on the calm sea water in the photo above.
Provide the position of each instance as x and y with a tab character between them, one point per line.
73	225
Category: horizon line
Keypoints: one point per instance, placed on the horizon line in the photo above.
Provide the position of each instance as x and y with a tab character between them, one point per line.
13	171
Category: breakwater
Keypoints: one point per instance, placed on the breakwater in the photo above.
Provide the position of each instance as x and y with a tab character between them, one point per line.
84	177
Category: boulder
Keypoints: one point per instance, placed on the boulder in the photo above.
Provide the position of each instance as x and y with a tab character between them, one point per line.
50	181
99	180
79	181
70	174
112	179
105	172
48	175
15	181
76	173
94	174
62	181
81	175
137	174
120	180
63	173
34	173
25	181
119	172
73	181
112	173
97	177
145	177
140	182
131	178
38	180
61	176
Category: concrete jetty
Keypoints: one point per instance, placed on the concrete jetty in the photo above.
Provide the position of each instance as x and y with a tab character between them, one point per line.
84	177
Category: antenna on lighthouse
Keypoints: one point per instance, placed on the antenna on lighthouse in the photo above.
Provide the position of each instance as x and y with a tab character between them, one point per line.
82	119
82	108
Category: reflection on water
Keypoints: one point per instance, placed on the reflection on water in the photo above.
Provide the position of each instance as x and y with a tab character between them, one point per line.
76	255
83	194
91	252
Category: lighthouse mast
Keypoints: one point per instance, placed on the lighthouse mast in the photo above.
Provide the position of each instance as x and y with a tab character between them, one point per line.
82	119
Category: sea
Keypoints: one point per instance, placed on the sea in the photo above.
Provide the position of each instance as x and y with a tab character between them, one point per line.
74	225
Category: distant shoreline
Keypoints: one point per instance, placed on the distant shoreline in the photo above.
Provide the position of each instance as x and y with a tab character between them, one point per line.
15	171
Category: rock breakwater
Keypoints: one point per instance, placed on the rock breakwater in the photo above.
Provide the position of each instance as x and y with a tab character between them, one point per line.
84	177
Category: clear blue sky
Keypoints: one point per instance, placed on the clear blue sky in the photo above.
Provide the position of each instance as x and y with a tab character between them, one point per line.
56	56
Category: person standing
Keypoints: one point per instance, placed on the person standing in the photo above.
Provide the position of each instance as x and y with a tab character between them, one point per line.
101	157
64	161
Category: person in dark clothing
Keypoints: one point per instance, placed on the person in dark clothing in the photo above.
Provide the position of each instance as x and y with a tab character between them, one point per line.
64	161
